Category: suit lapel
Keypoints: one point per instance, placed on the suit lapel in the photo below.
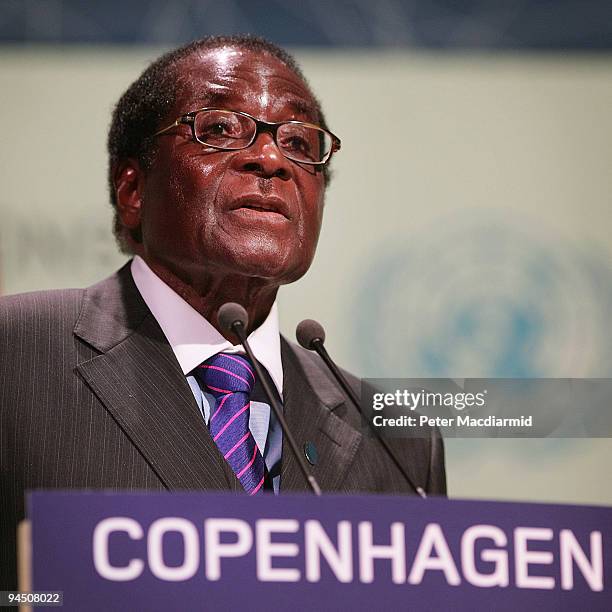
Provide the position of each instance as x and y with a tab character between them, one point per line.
139	381
310	400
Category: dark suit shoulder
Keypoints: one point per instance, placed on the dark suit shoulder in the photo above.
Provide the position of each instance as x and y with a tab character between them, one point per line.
40	307
421	452
36	331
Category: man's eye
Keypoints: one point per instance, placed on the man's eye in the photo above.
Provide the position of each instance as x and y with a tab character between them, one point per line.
216	129
296	143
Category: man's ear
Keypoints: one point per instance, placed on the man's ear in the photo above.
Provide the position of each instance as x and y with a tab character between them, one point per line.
129	185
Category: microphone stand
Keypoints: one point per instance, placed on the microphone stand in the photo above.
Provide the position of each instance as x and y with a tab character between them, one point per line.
238	328
319	347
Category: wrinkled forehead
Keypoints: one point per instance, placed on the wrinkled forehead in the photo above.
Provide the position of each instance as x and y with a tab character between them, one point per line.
242	79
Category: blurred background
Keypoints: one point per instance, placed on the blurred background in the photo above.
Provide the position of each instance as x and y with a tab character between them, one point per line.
471	198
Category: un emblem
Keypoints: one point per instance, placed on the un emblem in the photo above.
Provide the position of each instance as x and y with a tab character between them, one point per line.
485	300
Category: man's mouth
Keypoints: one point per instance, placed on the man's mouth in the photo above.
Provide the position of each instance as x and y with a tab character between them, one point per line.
268	206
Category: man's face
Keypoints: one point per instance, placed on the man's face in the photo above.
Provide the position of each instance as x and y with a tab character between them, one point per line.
250	212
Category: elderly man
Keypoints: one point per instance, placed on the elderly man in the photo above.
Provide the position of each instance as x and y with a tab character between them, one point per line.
218	168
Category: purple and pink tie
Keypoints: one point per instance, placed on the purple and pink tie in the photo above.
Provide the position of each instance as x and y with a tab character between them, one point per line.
230	379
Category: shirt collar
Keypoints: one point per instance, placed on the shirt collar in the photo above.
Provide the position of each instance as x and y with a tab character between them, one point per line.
192	338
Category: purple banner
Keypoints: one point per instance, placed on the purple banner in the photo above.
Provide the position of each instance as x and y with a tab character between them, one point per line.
198	551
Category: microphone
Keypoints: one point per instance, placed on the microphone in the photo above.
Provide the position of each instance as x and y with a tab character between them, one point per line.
311	335
233	317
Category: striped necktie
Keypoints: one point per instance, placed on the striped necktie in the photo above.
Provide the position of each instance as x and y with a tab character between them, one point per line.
230	379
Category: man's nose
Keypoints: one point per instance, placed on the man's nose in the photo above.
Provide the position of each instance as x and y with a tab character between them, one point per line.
264	159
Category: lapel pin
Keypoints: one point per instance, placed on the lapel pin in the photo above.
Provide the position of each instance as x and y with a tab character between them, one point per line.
310	450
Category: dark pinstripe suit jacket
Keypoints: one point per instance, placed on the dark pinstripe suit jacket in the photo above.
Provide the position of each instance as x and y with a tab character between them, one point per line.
91	396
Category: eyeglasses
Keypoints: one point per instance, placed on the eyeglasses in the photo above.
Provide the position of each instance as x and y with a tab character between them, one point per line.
228	130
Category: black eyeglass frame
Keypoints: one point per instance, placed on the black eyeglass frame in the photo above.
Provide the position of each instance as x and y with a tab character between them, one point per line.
260	126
